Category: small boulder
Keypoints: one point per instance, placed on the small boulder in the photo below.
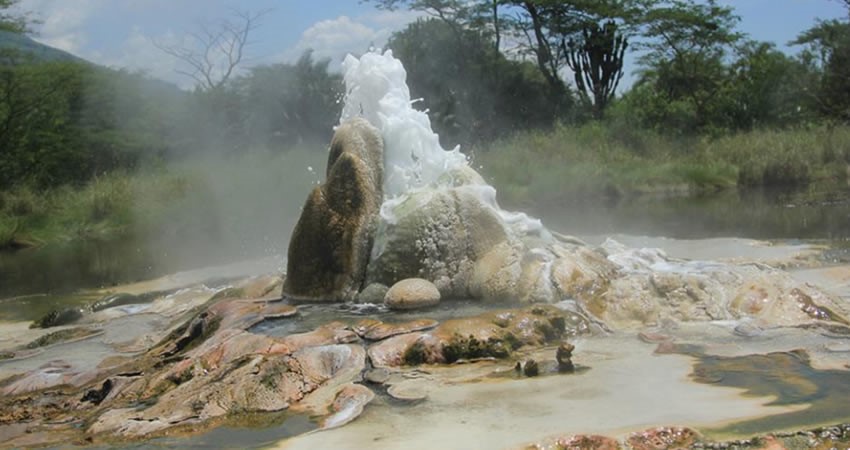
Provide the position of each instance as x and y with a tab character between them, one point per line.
373	293
412	293
564	356
530	368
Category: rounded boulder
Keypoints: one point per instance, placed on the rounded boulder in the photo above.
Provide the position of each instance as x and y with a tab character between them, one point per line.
412	293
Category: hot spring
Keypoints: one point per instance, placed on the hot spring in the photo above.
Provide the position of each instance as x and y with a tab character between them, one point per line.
538	339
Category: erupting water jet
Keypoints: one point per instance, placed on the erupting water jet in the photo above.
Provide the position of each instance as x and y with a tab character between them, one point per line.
432	216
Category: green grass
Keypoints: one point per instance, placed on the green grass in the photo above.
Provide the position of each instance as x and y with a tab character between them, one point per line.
102	209
207	200
598	161
254	199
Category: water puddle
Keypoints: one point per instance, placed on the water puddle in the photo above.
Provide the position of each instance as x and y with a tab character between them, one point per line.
249	431
789	378
312	316
625	389
27	308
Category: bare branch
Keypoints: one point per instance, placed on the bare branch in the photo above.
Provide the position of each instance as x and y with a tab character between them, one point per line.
213	54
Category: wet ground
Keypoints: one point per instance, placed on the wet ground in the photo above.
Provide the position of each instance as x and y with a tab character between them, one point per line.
727	380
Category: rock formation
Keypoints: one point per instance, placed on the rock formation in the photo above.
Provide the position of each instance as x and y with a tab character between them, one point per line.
454	235
330	245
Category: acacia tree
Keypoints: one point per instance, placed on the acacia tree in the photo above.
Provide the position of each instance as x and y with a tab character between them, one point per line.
597	63
214	52
548	25
470	99
458	15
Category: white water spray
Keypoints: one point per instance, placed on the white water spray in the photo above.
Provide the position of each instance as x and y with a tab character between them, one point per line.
376	89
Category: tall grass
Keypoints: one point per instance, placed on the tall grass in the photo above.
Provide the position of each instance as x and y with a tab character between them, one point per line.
787	157
598	161
101	209
252	201
205	200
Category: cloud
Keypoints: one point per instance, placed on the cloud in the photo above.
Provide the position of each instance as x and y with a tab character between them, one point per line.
335	38
62	22
392	20
138	52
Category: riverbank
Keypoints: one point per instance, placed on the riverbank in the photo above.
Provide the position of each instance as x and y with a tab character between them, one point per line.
224	199
605	162
252	195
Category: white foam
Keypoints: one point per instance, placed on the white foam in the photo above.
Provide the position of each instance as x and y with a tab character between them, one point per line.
376	89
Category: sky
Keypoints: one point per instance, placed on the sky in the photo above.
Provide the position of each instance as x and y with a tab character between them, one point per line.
122	33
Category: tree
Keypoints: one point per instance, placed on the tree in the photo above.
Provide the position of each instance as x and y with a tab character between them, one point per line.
13	22
767	88
597	63
470	99
215	52
686	44
286	104
828	47
548	25
37	144
458	15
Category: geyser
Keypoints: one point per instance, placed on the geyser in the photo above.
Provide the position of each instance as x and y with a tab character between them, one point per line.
438	219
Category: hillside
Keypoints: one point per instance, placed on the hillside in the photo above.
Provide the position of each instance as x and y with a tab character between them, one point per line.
24	45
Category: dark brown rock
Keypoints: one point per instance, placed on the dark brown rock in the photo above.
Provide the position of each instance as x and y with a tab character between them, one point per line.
530	368
331	243
563	355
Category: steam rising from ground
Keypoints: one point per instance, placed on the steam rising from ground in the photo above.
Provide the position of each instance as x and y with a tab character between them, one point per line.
232	208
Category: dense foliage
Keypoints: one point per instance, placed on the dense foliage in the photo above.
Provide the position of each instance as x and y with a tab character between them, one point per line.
471	91
67	121
709	107
698	73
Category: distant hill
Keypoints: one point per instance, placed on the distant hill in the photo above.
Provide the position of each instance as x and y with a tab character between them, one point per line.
25	45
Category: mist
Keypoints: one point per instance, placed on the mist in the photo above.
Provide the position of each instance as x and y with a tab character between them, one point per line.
175	179
237	162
